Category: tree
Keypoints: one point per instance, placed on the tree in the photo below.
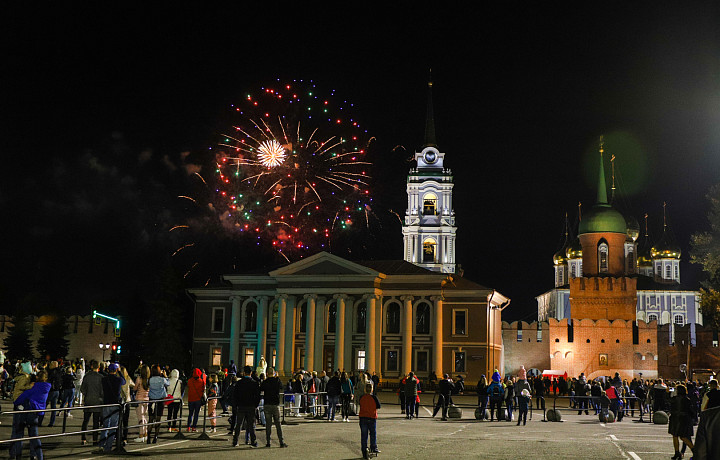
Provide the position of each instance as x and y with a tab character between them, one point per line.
53	341
17	342
705	251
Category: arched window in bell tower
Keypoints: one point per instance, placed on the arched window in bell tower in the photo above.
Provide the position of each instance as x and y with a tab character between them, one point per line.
429	204
602	257
429	251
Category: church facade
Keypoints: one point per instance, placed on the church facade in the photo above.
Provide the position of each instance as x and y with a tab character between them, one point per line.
614	308
385	316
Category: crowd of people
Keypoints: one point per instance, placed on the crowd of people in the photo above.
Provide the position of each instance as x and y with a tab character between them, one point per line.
107	392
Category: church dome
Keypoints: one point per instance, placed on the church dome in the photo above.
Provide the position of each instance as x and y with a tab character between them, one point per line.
666	248
644	258
603	218
574	251
560	257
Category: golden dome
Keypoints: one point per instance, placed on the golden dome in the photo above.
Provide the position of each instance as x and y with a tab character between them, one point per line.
560	258
666	248
574	251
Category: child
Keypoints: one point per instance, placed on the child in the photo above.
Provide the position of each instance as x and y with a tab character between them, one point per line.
213	393
369	405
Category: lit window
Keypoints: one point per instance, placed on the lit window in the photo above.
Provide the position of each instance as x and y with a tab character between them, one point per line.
677	272
519	335
218	319
539	333
361	359
667	271
459	361
429	251
572	271
429	205
652	317
679	320
603	257
274	355
216	353
460	322
249	356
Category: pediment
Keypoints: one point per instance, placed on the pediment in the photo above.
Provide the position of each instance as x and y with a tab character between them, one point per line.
321	264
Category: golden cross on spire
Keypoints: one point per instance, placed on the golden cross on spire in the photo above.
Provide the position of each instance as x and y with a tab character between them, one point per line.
664	215
602	144
646	225
579	210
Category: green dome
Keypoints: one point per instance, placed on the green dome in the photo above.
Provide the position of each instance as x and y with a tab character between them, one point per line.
602	218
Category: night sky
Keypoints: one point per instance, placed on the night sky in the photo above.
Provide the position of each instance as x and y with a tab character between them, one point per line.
98	107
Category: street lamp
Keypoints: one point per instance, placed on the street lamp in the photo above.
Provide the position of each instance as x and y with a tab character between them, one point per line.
103	347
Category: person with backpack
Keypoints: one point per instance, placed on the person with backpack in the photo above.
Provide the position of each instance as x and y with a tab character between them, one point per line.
496	394
445	388
581	391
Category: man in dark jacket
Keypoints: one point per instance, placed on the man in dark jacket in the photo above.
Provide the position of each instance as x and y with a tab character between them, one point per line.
111	385
55	381
271	388
333	389
92	391
707	441
445	389
246	397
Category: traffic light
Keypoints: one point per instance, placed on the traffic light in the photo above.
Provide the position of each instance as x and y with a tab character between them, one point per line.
118	349
114	346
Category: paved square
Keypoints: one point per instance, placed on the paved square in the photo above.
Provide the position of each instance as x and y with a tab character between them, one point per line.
576	437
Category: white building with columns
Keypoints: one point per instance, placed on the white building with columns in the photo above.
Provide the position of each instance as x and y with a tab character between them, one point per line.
325	312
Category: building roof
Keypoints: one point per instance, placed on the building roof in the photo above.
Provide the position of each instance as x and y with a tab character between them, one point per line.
396	267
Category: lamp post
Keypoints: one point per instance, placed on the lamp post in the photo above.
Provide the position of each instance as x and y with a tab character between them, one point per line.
103	347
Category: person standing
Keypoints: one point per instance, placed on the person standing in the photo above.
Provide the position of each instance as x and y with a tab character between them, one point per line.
111	385
369	406
496	393
509	397
522	393
54	378
711	398
79	375
157	394
271	388
411	393
445	389
34	398
196	392
142	389
680	425
482	395
334	390
213	394
175	390
92	394
376	382
246	397
67	390
346	388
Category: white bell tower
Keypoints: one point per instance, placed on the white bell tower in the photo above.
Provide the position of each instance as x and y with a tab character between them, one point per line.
429	230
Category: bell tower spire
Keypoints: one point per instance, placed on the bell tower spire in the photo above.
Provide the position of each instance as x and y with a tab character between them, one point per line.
429	230
430	117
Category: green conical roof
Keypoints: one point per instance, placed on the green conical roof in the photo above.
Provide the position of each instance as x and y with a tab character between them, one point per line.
602	218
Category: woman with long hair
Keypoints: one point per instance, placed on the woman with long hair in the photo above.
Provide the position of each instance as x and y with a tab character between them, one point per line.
681	423
346	388
157	394
142	389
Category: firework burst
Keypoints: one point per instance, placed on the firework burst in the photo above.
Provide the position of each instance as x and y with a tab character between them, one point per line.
293	170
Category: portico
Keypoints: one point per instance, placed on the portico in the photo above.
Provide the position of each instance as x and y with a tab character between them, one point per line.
325	312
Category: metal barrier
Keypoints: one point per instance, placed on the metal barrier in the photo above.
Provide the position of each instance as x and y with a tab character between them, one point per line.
119	428
645	409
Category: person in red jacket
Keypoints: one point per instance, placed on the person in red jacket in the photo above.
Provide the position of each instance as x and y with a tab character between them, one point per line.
196	391
369	405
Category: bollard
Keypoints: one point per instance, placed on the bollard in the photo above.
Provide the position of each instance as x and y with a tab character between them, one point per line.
119	448
65	414
204	436
179	434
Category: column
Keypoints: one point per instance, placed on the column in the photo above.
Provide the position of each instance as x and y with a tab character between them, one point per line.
371	300
437	363
319	354
407	333
235	329
280	335
340	332
349	323
378	335
310	332
262	313
290	315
